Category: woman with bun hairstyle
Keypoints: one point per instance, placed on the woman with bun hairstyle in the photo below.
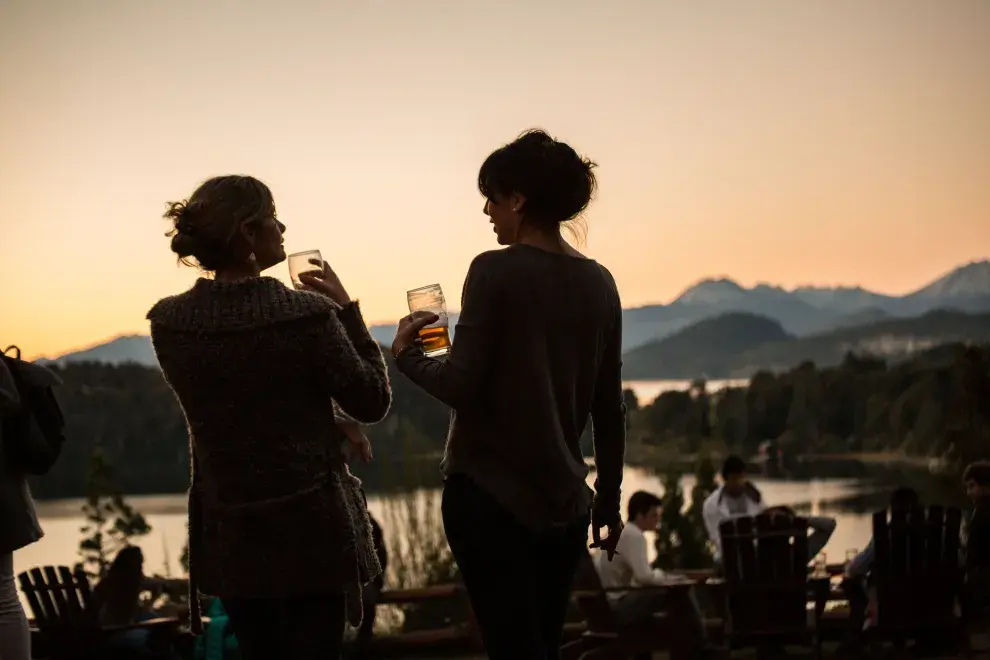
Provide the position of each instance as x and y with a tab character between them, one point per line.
277	524
536	351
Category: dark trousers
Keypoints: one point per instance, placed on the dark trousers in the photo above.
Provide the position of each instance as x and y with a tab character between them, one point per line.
305	628
518	580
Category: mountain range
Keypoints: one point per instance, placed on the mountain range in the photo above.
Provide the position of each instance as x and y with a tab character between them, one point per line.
799	312
737	344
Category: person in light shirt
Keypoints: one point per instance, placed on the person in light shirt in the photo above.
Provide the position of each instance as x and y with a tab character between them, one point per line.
630	567
737	498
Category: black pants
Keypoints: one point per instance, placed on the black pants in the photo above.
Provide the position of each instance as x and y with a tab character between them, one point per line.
519	581
306	628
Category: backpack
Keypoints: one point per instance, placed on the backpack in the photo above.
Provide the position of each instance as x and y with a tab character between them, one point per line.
33	434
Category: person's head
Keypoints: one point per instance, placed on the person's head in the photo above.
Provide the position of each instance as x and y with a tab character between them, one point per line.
534	184
734	476
904	499
643	510
976	479
228	224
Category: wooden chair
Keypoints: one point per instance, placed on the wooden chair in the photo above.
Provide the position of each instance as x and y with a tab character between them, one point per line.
62	604
766	585
603	638
917	575
463	638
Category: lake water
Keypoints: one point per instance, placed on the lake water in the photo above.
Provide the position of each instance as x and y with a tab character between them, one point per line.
648	390
61	519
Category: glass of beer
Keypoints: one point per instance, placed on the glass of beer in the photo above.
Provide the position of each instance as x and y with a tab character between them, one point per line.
303	262
436	336
820	567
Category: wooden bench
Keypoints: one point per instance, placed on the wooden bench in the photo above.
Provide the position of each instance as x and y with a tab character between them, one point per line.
61	602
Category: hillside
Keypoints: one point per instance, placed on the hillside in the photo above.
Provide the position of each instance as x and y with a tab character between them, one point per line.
731	346
704	348
892	339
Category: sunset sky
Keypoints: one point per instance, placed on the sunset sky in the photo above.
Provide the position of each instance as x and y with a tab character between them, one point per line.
787	141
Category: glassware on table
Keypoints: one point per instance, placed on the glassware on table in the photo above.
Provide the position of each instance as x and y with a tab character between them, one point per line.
436	336
820	567
851	554
302	262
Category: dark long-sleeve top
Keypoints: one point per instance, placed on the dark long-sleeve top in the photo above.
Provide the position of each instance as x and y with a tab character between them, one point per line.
256	367
537	350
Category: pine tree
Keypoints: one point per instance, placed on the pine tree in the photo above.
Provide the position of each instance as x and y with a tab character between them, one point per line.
111	522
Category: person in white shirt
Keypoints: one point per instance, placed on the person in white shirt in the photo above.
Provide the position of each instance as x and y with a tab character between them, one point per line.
737	497
630	567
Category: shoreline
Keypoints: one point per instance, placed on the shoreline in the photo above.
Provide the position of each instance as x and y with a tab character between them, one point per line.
644	457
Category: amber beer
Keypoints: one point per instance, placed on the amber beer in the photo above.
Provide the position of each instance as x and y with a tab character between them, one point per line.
436	341
436	336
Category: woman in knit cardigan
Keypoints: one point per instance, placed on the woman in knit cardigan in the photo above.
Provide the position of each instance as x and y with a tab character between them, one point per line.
278	528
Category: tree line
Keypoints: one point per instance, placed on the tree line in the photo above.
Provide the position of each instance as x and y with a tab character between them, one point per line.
936	404
129	415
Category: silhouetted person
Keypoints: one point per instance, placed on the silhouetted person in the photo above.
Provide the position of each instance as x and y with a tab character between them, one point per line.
116	597
278	526
976	480
537	350
976	547
18	528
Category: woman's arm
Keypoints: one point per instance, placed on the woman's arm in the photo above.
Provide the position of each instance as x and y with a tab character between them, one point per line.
608	417
457	380
356	374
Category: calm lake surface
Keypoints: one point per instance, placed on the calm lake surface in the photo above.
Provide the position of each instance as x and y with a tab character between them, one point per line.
61	519
648	390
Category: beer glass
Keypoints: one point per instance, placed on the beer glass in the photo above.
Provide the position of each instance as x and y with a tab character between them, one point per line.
851	554
820	567
436	336
300	263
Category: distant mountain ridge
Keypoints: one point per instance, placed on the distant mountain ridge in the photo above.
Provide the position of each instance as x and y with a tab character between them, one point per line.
802	311
737	345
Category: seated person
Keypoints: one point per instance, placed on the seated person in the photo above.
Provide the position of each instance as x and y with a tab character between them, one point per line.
976	479
976	538
631	568
737	497
117	599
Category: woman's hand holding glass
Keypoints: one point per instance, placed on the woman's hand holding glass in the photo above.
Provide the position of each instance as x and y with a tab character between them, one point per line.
407	334
325	281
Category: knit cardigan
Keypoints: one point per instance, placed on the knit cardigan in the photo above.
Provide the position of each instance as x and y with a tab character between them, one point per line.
273	510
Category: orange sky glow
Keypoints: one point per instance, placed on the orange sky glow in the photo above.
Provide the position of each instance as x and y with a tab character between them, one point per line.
816	142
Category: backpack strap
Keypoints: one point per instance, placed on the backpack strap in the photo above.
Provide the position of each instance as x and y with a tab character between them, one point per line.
15	348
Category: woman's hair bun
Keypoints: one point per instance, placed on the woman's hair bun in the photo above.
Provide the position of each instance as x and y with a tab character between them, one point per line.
204	226
183	245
